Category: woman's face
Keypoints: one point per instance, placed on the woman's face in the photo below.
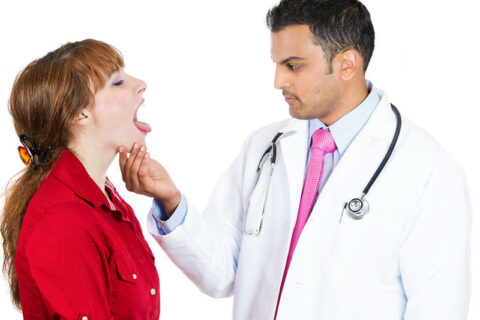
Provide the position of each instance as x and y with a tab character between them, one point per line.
114	113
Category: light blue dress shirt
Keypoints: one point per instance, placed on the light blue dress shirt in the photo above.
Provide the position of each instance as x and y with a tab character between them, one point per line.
343	131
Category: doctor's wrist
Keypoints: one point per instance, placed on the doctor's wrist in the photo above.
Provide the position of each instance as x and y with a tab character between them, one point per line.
170	203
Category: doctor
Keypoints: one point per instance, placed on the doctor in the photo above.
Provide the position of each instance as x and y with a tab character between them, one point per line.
284	231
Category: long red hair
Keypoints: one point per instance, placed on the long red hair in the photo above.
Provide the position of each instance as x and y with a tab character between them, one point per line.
46	97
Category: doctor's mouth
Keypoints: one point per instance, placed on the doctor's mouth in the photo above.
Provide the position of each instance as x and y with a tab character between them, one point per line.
290	98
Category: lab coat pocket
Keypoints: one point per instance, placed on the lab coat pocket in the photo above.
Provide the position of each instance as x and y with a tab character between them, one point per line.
365	250
126	269
257	201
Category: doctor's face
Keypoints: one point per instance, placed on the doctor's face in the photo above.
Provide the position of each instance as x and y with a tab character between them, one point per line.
303	74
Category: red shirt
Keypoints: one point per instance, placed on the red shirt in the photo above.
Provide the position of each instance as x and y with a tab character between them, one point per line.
80	256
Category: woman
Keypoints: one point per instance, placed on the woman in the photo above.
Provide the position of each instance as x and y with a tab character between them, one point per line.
73	247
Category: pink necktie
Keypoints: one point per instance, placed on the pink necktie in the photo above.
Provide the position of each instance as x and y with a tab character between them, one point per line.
322	143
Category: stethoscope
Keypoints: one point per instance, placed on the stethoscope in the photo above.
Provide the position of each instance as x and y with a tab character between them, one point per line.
356	208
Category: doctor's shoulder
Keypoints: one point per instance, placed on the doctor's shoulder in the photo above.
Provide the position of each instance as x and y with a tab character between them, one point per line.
257	142
261	138
435	177
428	152
254	146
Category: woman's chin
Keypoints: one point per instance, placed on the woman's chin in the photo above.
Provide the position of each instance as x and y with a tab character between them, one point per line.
142	138
139	138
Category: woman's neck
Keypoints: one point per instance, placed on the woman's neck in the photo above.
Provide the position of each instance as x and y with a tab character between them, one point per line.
96	161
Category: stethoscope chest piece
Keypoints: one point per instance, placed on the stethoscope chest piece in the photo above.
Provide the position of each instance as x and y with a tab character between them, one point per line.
357	208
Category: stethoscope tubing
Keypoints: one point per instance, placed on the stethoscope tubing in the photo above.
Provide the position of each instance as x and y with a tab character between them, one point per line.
389	152
362	203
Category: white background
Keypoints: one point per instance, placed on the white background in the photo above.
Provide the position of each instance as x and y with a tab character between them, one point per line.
210	83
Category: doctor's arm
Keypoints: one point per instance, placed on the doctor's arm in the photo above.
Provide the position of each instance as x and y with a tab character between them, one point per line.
165	223
435	251
204	246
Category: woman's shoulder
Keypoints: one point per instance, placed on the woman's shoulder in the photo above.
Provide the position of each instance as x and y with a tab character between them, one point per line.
53	196
59	222
54	205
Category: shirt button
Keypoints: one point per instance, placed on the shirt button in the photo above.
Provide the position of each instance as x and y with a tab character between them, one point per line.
134	276
153	291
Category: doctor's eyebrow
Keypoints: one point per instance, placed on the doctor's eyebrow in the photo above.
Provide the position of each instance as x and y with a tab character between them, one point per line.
287	60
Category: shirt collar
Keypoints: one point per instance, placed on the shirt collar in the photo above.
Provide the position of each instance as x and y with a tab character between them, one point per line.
345	129
71	172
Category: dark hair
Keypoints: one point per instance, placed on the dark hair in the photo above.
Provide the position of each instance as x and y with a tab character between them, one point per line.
47	95
337	25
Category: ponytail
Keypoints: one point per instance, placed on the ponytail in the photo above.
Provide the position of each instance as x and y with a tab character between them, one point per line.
18	194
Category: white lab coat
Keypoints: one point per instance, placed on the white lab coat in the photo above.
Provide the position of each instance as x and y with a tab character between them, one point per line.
409	258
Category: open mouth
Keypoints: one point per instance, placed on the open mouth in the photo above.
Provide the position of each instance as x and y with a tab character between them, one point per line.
143	127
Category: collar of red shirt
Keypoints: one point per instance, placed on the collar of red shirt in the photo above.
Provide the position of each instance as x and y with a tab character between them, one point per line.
71	172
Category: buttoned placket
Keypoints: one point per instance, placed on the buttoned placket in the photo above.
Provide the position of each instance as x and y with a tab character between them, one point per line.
123	216
70	172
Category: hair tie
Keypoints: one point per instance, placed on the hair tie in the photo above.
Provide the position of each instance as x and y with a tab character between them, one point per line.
29	151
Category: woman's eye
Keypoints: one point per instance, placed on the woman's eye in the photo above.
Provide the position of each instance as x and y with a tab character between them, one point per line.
118	83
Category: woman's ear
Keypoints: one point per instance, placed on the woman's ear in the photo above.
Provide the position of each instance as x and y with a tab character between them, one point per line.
83	118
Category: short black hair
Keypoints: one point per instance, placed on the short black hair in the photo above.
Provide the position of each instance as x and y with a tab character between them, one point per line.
336	25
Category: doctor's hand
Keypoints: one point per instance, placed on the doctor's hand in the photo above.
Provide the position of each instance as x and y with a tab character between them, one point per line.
144	175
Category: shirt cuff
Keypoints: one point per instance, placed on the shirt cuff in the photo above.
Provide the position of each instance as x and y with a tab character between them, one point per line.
166	225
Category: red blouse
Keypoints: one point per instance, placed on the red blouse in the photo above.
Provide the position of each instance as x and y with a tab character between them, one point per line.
80	256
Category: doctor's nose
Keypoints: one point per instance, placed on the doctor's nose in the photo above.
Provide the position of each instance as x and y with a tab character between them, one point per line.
281	80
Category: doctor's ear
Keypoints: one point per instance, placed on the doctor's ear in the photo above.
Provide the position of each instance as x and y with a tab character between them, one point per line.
349	63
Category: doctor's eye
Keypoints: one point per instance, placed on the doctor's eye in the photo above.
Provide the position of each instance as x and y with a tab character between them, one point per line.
118	83
293	67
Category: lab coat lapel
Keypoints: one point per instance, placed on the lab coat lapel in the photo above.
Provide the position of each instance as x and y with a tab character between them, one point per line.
351	174
316	248
359	161
294	154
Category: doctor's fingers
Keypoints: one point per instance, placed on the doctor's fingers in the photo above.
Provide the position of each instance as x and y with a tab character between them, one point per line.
142	172
137	163
122	160
146	184
137	154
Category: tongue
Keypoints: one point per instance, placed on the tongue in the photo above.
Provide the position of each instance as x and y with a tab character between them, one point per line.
142	126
